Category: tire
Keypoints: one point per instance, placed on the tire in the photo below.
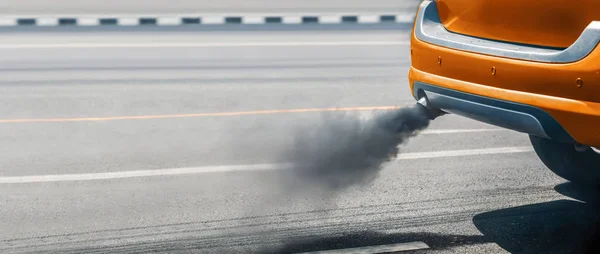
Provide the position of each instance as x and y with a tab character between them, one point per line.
581	168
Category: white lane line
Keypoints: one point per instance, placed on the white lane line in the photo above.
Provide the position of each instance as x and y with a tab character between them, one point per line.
237	168
388	248
141	173
454	131
468	152
203	45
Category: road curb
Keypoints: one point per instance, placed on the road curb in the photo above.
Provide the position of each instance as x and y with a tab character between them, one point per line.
190	20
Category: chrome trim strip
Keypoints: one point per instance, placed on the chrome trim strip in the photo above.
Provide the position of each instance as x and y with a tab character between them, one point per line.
430	29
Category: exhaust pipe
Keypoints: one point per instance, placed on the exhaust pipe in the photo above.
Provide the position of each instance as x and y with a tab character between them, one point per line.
583	148
425	105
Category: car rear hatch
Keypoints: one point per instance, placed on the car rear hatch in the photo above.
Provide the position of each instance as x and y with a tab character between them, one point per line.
549	23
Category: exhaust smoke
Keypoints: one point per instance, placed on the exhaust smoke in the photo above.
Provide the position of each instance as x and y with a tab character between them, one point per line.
344	150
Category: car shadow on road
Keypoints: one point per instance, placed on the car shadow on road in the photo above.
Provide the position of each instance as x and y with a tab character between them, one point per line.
562	226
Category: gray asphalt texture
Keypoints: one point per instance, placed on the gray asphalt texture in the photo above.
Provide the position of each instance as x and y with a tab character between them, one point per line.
31	7
498	203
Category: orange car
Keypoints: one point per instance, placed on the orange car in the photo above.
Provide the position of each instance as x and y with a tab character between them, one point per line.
528	66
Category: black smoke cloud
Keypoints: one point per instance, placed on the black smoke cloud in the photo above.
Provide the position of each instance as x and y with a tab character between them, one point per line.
343	150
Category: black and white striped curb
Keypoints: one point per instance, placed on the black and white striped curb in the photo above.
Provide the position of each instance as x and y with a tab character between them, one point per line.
146	20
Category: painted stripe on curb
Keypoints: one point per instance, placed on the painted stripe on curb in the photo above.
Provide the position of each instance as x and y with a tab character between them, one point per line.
237	168
205	45
179	20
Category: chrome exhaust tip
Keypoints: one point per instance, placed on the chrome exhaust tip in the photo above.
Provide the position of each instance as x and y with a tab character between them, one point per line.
424	102
432	113
583	148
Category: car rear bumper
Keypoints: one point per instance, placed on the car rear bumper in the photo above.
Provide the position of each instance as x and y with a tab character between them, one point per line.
506	114
528	92
550	117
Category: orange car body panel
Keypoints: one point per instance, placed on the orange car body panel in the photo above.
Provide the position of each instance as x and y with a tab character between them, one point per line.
549	86
553	23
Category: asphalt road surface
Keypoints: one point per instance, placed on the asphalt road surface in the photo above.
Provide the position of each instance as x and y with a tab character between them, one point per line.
171	142
12	7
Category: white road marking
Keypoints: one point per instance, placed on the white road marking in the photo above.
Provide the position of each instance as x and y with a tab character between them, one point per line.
8	22
47	21
405	18
88	21
237	168
330	19
141	173
213	20
204	45
454	131
254	20
128	21
370	19
292	20
468	152
389	248
169	21
201	14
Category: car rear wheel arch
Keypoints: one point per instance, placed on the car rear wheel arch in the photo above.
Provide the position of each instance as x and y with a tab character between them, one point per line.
579	167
